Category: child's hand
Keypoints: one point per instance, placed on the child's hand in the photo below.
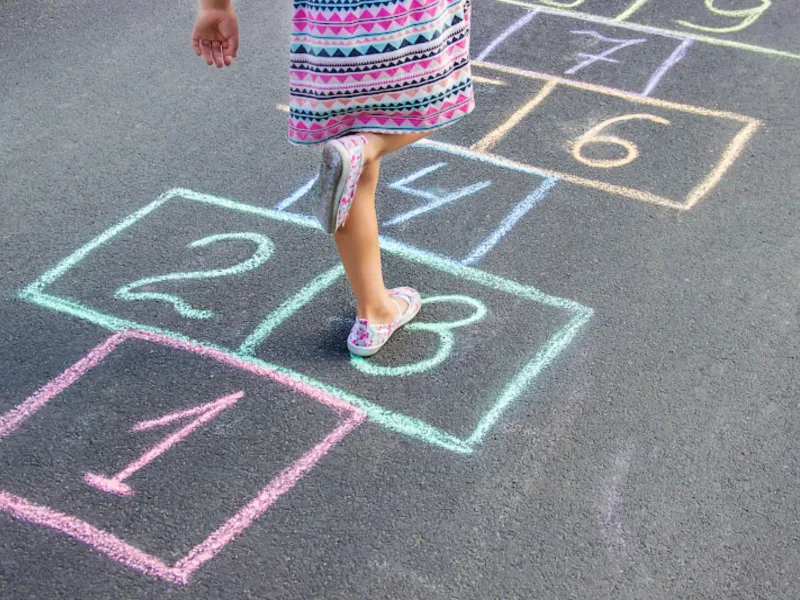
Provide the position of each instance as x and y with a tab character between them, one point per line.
216	36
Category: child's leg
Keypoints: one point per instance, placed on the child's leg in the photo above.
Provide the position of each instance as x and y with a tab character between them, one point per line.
357	240
381	144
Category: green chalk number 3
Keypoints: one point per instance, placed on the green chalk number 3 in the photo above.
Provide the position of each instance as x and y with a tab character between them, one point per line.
444	331
264	249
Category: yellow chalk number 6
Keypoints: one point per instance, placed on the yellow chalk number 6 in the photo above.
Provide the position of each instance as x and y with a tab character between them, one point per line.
593	136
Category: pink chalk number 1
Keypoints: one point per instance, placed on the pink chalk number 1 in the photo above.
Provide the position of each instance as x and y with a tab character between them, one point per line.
204	414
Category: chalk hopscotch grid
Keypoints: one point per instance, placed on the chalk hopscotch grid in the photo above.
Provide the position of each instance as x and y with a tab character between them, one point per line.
113	546
623	19
483	246
551	82
729	155
183	569
674	58
392	420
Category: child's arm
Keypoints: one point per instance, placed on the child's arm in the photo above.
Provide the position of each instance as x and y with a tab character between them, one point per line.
216	32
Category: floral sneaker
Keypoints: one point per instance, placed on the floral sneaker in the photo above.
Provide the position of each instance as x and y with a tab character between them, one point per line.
366	339
342	163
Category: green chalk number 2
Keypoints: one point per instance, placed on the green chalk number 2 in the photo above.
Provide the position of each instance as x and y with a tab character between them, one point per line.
444	331
264	249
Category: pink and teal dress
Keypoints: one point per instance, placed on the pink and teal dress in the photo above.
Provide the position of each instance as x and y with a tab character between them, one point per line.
382	66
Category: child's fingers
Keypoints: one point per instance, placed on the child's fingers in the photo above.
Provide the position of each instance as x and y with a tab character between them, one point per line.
233	45
205	45
227	50
216	52
226	54
196	46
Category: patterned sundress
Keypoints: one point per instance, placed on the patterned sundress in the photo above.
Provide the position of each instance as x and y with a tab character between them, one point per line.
383	66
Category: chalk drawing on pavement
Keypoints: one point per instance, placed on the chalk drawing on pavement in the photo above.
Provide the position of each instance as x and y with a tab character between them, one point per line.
556	93
748	16
113	545
576	316
621	45
414	184
728	21
593	136
606	55
204	414
434	200
262	253
350	407
443	330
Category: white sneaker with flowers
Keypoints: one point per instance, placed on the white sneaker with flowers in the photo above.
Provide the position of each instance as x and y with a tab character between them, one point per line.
366	339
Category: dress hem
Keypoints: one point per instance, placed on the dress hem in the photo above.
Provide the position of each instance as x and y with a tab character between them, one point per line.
383	130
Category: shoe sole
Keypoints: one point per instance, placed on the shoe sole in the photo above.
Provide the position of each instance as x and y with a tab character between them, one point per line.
367	352
333	174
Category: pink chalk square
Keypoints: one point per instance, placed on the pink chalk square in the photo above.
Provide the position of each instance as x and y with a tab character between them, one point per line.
116	548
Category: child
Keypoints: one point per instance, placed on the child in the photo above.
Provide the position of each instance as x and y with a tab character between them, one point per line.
367	78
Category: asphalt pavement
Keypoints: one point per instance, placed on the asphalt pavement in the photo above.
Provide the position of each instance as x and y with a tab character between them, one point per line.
599	399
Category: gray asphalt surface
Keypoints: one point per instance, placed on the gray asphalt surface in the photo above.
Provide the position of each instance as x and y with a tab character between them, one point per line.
655	457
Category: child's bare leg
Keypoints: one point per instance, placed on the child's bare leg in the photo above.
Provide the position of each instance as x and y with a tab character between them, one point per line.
357	240
381	144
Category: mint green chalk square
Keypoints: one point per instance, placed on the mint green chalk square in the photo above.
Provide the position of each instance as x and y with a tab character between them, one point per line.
191	265
475	348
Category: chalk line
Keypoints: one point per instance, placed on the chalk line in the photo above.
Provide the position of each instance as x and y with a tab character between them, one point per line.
673	60
730	155
603	56
541	360
494	137
516	26
630	11
234	527
510	220
11	421
401	184
289	307
296	195
205	414
101	541
436	202
488	80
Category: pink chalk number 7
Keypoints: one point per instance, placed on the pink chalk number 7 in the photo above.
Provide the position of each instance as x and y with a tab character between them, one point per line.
204	414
